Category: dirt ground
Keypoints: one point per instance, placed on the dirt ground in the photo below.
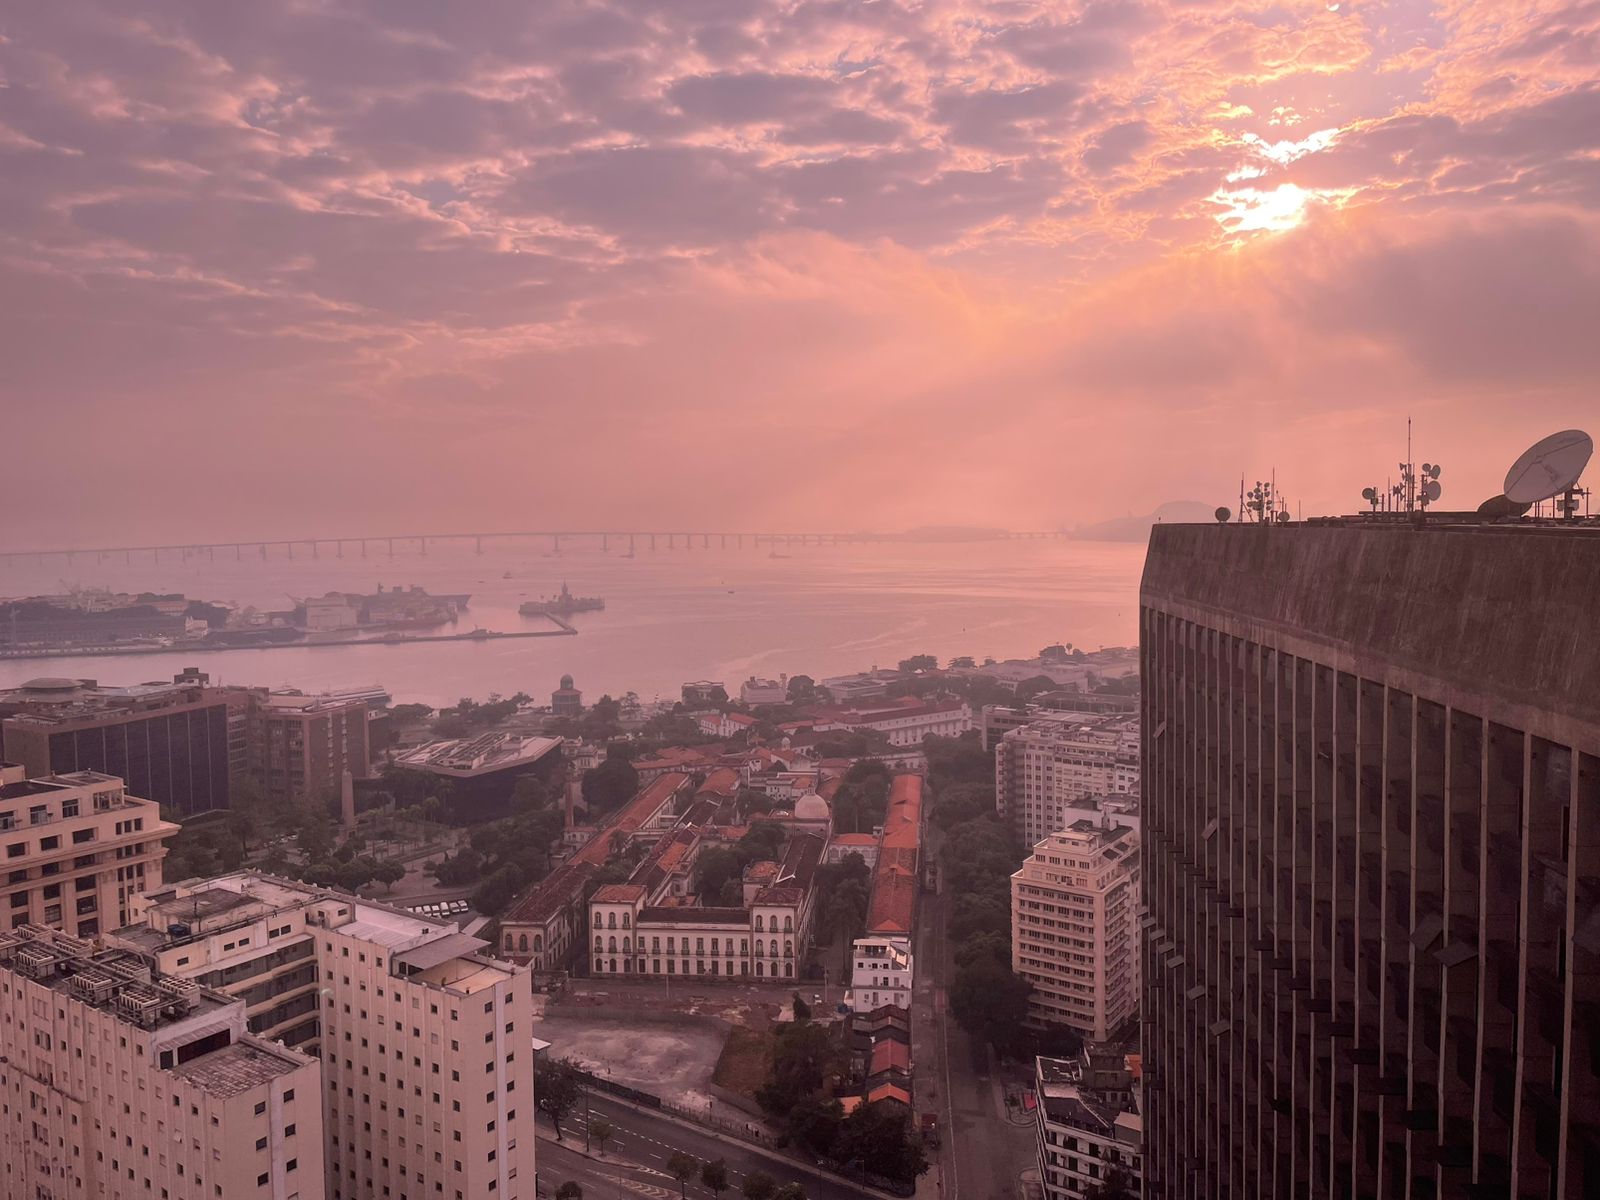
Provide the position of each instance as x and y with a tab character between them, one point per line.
671	1061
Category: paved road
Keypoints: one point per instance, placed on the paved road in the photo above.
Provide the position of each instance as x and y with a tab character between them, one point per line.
983	1153
637	1152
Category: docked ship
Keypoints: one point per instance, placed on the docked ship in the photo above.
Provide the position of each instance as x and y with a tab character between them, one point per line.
563	605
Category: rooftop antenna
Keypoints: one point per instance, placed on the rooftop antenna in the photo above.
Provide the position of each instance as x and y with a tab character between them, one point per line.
1548	470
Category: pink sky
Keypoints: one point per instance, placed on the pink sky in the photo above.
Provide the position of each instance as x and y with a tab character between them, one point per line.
334	266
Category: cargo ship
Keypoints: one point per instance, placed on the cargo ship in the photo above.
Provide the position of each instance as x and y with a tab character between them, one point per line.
563	605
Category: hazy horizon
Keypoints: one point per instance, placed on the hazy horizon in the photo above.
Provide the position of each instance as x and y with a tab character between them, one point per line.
291	270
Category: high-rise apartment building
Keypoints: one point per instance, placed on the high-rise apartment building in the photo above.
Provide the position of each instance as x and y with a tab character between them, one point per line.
1371	817
125	1083
1047	769
1075	928
168	741
426	1043
301	746
76	851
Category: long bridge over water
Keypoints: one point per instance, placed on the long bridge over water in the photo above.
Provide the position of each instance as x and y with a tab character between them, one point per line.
632	541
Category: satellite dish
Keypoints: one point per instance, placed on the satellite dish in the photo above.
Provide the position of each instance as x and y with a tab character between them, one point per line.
1549	467
1223	515
1283	517
1369	494
1499	506
1431	490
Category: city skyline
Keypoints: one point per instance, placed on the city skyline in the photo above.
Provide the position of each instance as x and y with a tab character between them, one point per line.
453	267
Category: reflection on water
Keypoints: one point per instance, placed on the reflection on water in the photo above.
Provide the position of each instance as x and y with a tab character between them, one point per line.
670	615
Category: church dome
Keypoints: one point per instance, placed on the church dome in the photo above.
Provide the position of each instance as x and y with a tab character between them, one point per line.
811	807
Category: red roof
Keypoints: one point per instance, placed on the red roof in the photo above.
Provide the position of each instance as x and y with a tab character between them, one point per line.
617	893
632	817
889	1054
894	878
724	781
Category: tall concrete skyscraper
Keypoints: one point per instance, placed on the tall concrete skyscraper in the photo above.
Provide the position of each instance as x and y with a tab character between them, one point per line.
1372	861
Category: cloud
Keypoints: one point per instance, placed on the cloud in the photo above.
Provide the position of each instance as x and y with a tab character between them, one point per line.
294	245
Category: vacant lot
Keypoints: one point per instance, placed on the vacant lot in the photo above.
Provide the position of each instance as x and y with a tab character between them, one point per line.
671	1061
745	1062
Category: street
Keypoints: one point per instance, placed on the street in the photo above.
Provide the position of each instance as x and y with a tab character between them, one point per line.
983	1154
635	1160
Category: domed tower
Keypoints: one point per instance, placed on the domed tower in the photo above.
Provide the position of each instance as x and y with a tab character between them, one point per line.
566	700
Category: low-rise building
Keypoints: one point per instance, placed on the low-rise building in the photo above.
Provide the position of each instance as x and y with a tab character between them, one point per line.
1074	928
882	965
78	850
484	769
724	724
1084	1141
125	1082
905	722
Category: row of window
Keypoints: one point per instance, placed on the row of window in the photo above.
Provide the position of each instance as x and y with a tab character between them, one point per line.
653	967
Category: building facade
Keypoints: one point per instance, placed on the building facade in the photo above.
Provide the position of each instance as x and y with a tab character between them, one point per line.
1086	1143
1075	928
78	851
1372	814
1047	768
425	1042
168	742
122	1082
301	746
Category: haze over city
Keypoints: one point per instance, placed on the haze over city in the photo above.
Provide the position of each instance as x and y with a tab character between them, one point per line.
305	269
799	599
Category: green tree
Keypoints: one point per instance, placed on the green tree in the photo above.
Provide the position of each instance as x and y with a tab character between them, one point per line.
601	1131
990	1002
790	1191
389	873
715	867
995	947
802	1010
802	689
497	891
813	1122
919	662
758	1185
682	1167
878	1138
802	1057
610	785
570	1190
714	1175
557	1086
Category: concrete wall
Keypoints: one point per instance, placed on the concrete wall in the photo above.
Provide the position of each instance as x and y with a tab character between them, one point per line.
1386	596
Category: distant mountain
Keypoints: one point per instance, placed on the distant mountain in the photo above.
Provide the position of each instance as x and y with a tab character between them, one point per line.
1137	529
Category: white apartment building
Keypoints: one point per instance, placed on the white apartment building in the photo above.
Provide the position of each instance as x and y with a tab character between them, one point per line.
76	850
1082	1141
427	1057
881	972
1074	928
121	1082
1046	768
765	691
